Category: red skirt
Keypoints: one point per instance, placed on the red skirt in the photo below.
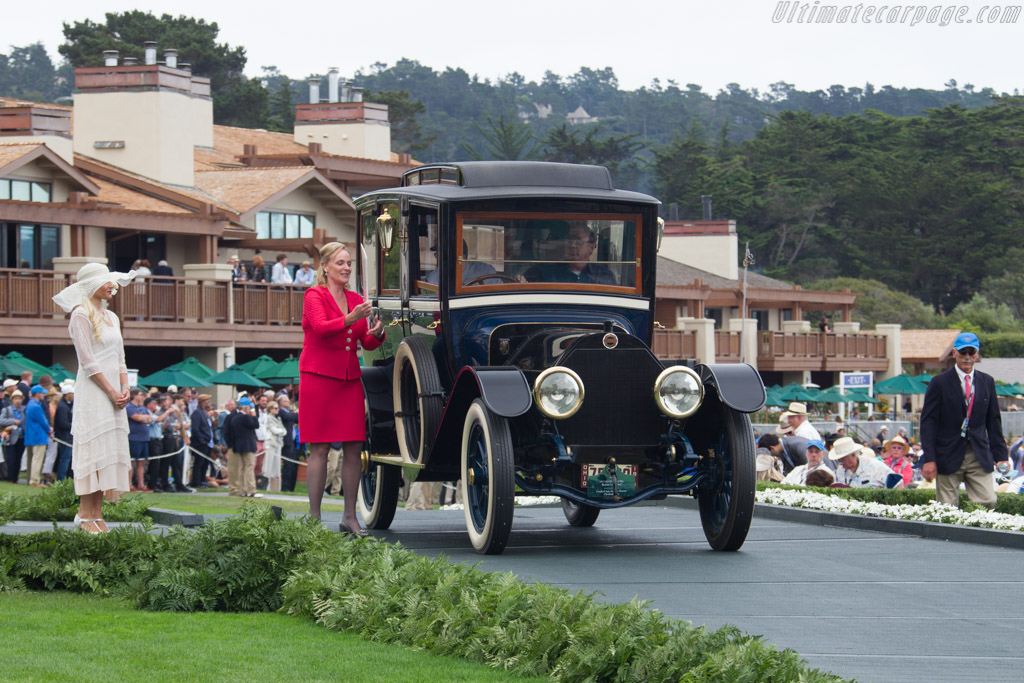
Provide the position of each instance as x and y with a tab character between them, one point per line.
331	409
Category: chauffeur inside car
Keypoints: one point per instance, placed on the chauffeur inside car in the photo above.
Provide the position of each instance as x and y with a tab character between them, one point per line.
578	248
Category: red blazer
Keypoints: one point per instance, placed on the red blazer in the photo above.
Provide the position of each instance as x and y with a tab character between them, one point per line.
328	347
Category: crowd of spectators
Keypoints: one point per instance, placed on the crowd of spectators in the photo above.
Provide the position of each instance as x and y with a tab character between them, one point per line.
279	274
178	440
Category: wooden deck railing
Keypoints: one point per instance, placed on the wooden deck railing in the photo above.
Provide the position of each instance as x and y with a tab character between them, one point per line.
28	293
727	346
674	344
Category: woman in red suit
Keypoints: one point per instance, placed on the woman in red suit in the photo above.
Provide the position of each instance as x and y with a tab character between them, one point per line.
334	323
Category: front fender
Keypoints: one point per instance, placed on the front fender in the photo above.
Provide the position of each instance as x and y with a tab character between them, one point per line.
738	385
503	389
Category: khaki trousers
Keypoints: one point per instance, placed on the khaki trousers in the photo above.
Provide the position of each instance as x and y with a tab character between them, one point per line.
334	458
241	474
979	483
421	496
36	456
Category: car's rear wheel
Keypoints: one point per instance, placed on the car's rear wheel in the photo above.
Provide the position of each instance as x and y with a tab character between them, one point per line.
727	503
488	479
579	514
378	495
419	398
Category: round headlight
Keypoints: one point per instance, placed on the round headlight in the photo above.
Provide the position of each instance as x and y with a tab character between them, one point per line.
558	393
678	391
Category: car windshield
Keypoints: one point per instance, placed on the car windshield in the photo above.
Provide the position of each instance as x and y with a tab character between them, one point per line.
548	251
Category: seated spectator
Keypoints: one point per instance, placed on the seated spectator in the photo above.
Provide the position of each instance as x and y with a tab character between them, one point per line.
821	477
768	467
217	475
815	461
858	468
897	457
788	449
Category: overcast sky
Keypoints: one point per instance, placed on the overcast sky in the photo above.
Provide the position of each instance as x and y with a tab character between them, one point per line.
712	42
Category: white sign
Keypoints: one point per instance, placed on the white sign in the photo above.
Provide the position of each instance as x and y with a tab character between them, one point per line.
133	378
856	380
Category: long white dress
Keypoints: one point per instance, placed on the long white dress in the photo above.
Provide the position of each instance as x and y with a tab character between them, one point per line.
100	454
273	444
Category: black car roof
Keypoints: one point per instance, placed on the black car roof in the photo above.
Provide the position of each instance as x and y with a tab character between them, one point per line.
497	179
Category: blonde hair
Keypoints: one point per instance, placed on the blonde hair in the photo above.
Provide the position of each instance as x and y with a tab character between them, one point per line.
326	252
95	319
272	404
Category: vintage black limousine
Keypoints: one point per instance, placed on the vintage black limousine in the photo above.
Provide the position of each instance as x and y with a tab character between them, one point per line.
520	303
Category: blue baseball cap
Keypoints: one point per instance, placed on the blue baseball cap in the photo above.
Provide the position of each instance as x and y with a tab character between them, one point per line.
37	389
245	402
816	443
966	340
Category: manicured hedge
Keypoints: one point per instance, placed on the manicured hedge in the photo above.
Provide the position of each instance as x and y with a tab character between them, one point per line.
1009	503
383	592
1002	344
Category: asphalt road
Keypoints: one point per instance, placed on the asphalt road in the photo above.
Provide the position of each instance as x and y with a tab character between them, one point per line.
864	605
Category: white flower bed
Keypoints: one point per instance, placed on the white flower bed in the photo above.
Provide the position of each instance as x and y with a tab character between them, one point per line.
933	512
520	500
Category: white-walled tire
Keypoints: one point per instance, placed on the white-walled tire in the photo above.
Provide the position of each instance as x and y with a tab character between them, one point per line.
378	495
419	399
488	479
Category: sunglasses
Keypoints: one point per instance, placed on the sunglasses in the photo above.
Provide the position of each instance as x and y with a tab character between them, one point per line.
967	352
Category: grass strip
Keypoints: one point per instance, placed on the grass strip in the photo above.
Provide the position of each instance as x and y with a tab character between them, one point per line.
104	639
252	563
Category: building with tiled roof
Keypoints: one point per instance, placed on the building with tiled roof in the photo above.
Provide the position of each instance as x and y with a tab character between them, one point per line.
136	169
928	350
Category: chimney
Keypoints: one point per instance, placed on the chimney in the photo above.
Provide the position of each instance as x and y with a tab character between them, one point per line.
185	66
171	58
130	61
110	57
150	46
346	87
314	90
357	94
332	84
706	201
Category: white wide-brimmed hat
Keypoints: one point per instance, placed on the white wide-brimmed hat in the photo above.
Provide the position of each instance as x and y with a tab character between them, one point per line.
90	277
797	408
67	386
843	447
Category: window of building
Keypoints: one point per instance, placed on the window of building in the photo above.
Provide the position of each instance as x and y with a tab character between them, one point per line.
25	190
276	225
28	246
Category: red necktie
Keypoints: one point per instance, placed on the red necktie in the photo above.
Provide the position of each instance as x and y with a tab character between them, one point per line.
968	394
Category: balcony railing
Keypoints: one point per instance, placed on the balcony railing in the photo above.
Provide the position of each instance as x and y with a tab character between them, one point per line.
674	344
727	346
28	294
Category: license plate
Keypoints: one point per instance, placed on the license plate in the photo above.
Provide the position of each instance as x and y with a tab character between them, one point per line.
591	470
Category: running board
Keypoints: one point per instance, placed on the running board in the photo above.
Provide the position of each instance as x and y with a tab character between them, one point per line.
395	460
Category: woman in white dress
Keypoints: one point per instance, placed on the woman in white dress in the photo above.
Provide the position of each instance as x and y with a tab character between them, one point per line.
99	424
275	442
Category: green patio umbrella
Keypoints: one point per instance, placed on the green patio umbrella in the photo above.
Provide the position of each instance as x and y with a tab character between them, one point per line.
9	368
774	400
286	372
167	377
59	373
924	377
26	364
258	366
236	376
833	395
860	396
1006	390
901	384
792	392
192	366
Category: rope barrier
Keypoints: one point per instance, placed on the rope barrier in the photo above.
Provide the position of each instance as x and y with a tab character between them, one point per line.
188	447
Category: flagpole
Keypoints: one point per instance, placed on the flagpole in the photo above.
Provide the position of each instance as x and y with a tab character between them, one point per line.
748	259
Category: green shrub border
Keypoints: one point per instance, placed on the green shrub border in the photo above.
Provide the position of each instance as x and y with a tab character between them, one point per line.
386	593
1008	503
59	503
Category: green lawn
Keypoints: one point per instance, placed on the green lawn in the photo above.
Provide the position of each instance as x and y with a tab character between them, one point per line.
71	637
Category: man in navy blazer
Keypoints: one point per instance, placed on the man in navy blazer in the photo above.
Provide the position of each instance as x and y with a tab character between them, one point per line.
961	430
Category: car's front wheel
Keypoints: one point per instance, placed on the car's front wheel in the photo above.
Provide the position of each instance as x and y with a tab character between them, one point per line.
727	503
488	479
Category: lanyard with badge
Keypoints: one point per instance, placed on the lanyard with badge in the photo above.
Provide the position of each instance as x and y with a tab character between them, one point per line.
969	400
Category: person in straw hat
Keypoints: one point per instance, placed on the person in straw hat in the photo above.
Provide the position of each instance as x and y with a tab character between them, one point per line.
897	457
797	415
859	468
99	453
